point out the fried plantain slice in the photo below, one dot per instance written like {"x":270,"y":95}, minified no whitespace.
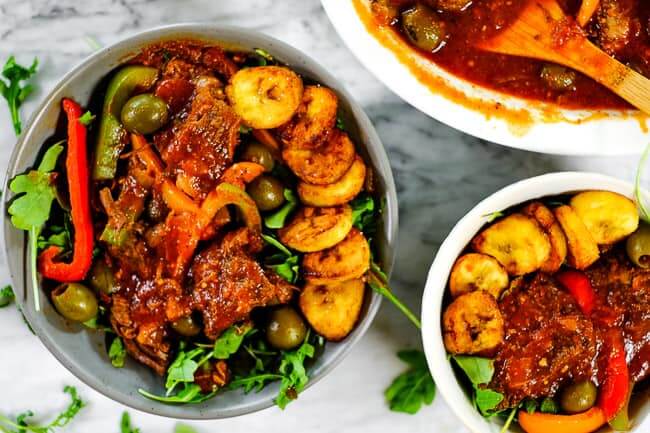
{"x":475,"y":271}
{"x":265,"y":97}
{"x":333,"y":309}
{"x":314,"y":120}
{"x":549,"y":224}
{"x":315,"y":229}
{"x":517,"y":242}
{"x":582,"y":248}
{"x":473,"y":324}
{"x":337,"y":193}
{"x":348,"y":259}
{"x":608,"y":216}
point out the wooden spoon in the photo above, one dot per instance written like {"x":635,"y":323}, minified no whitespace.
{"x":544,"y":32}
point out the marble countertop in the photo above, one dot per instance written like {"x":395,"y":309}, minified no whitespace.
{"x":440,"y":173}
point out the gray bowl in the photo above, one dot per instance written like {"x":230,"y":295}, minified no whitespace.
{"x":83,"y":352}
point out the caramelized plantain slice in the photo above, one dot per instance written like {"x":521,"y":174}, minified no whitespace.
{"x":314,"y":120}
{"x":348,"y":259}
{"x":315,"y":229}
{"x":333,"y":309}
{"x":475,"y":271}
{"x":322,"y":164}
{"x":337,"y":193}
{"x":608,"y":216}
{"x":517,"y":242}
{"x":549,"y":224}
{"x":473,"y":325}
{"x":582,"y":248}
{"x":265,"y":97}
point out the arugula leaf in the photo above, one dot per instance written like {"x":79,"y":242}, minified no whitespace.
{"x":256,"y":382}
{"x":509,"y":420}
{"x":183,"y":368}
{"x":294,"y":374}
{"x":21,"y":424}
{"x":190,"y":394}
{"x":530,"y":405}
{"x":87,"y":118}
{"x":487,"y":400}
{"x":284,"y":264}
{"x":231,"y":340}
{"x":278,"y":219}
{"x":6,"y":296}
{"x":117,"y":353}
{"x":13,"y":90}
{"x":413,"y":388}
{"x":493,"y":216}
{"x":363,"y":213}
{"x":643,"y":211}
{"x":31,"y":209}
{"x":264,"y":57}
{"x":184,"y":428}
{"x":125,"y":424}
{"x":378,"y":282}
{"x":549,"y":406}
{"x":243,"y":129}
{"x":478,"y":370}
{"x":339,"y":123}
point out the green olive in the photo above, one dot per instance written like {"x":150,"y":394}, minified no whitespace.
{"x":75,"y":302}
{"x":144,"y":114}
{"x":638,"y":246}
{"x":259,"y":154}
{"x":187,"y":326}
{"x":424,"y":27}
{"x":267,"y":192}
{"x":578,"y":397}
{"x":101,"y":278}
{"x":286,"y":329}
{"x":558,"y":77}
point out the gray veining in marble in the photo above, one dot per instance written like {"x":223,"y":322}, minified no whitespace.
{"x":440,"y":173}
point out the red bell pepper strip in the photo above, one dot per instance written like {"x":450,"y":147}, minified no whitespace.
{"x":580,"y":288}
{"x":616,"y":386}
{"x":77,"y":170}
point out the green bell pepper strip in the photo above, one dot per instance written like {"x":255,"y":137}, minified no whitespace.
{"x":112,"y":136}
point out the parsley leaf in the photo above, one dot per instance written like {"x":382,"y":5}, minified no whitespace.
{"x":21,"y":424}
{"x":278,"y":219}
{"x":294,"y":374}
{"x":413,"y":388}
{"x":13,"y":90}
{"x":6,"y":296}
{"x":31,"y":209}
{"x":125,"y":424}
{"x":117,"y":353}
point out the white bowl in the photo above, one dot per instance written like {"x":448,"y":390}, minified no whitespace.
{"x":452,"y":247}
{"x":550,"y":130}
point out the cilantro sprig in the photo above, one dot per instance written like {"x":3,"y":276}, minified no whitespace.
{"x":14,"y":89}
{"x":22,"y":424}
{"x":31,"y":209}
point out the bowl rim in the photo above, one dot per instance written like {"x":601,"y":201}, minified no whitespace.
{"x":456,"y":241}
{"x":201,"y":31}
{"x":609,"y":135}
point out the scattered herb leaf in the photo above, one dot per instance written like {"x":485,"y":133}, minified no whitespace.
{"x":125,"y":424}
{"x":294,"y":374}
{"x":487,"y":400}
{"x":6,"y":296}
{"x":21,"y":424}
{"x":87,"y":118}
{"x":231,"y":340}
{"x":413,"y":388}
{"x":31,"y":209}
{"x":363,"y":213}
{"x":13,"y":90}
{"x":549,"y":406}
{"x":184,"y":428}
{"x":478,"y":370}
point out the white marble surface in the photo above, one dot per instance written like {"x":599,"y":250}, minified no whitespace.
{"x":440,"y":173}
